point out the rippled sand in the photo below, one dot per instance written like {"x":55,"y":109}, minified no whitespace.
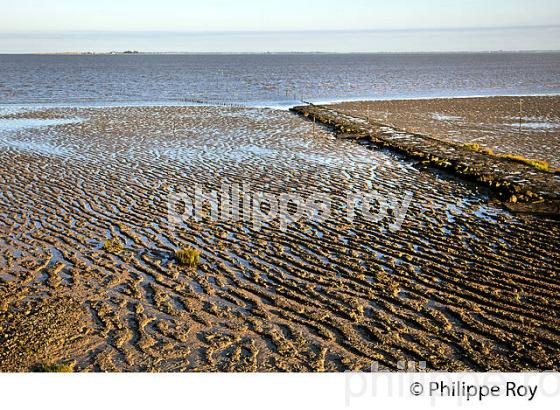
{"x":462,"y":285}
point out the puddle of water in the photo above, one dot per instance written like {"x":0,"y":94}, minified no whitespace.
{"x":15,"y":124}
{"x":10,"y":110}
{"x":31,"y":146}
{"x":443,"y":117}
{"x":536,"y":125}
{"x":254,"y":150}
{"x":8,"y":126}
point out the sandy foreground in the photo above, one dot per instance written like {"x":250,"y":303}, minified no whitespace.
{"x":491,"y":122}
{"x":461,"y":285}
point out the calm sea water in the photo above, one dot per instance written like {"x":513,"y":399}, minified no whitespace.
{"x":273,"y":79}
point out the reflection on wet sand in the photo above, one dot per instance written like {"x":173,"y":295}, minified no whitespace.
{"x":462,"y":284}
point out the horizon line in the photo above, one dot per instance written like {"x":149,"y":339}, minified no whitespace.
{"x":133,"y":52}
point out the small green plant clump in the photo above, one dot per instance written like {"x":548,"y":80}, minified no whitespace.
{"x":188,"y":256}
{"x":478,"y":148}
{"x":536,"y":163}
{"x":113,"y":245}
{"x":56,"y":368}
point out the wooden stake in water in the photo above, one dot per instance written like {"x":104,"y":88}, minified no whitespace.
{"x":313,"y":125}
{"x":520,"y":115}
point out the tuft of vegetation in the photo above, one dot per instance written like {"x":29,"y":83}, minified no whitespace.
{"x":113,"y":246}
{"x":536,"y":163}
{"x":478,"y":148}
{"x":55,"y":368}
{"x":188,"y":256}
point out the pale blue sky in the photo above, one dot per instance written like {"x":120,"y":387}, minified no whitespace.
{"x":283,"y":25}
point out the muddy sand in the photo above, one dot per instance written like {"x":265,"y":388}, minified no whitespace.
{"x":462,"y":285}
{"x":491,"y":122}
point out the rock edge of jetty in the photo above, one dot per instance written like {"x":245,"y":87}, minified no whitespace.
{"x":523,"y":188}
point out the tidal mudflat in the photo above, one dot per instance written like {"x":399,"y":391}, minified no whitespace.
{"x":461,"y":285}
{"x":527,"y":126}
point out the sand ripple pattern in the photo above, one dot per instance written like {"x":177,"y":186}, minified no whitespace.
{"x":462,"y":285}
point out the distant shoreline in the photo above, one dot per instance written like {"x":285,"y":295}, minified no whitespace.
{"x":279,"y":105}
{"x":130,"y":53}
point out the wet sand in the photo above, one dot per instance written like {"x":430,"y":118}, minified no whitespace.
{"x":525,"y":186}
{"x":492,"y":122}
{"x":463,"y":285}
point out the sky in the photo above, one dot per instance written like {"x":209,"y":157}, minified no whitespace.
{"x":278,"y":26}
